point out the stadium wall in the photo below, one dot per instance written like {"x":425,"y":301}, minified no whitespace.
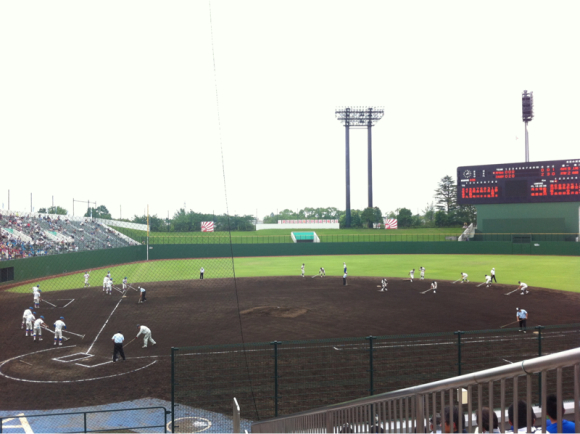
{"x":543,"y":218}
{"x":43,"y":266}
{"x":177,"y":251}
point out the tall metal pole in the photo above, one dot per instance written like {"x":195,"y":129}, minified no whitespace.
{"x":527,"y":144}
{"x":346,"y":129}
{"x":370,"y":146}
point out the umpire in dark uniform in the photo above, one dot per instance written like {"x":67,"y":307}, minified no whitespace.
{"x":118,"y":339}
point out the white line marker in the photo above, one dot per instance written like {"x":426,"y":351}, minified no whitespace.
{"x":68,"y":302}
{"x":119,"y":302}
{"x":94,"y":366}
{"x":63,"y":381}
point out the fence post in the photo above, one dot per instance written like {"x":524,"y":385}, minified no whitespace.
{"x":371,"y":377}
{"x":458,"y":333}
{"x":85,"y":421}
{"x":275,"y":343}
{"x":173,"y":350}
{"x":539,"y":329}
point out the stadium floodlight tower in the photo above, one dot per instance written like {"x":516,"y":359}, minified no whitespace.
{"x":358,"y":117}
{"x":527,"y":115}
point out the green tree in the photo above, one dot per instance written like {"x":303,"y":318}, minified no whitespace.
{"x":446,"y":194}
{"x":53,"y":210}
{"x":440,"y":219}
{"x":404,"y":218}
{"x":429,"y":214}
{"x":100,"y":212}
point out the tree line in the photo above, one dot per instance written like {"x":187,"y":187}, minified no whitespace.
{"x":442,"y":212}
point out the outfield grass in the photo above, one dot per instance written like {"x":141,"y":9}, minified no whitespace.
{"x":557,"y":272}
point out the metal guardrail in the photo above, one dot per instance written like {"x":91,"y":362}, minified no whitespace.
{"x":407,"y":410}
{"x":58,"y":428}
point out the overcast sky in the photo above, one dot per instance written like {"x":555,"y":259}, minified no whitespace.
{"x":115,"y":101}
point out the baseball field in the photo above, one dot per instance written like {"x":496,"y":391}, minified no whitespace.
{"x":268,"y":300}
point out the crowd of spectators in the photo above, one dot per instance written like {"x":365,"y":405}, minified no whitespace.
{"x":23,"y":236}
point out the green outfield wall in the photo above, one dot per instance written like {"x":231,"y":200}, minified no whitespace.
{"x":34,"y":268}
{"x":177,"y":251}
{"x":542,"y":218}
{"x":43,"y":266}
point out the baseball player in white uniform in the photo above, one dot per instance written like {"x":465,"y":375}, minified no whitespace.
{"x":146,"y":335}
{"x":109,"y":286}
{"x":109,"y":274}
{"x":201,"y":271}
{"x":422,"y":270}
{"x":487,"y":281}
{"x":434,"y":287}
{"x":412,"y":274}
{"x":524,"y":288}
{"x":87,"y":275}
{"x":58,"y":326}
{"x":38,"y":324}
{"x":302,"y":270}
{"x":464,"y":277}
{"x":105,"y":280}
{"x":29,"y":322}
{"x":25,"y":315}
{"x":36,"y":295}
{"x":125,"y":283}
{"x":383,"y":285}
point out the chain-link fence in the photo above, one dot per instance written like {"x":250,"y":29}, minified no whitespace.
{"x":258,"y":238}
{"x":282,"y":378}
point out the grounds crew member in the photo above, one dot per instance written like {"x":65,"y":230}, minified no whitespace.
{"x":87,"y":275}
{"x":302,"y":270}
{"x":321,"y":272}
{"x":38,"y":324}
{"x":58,"y":325}
{"x":25,"y":315}
{"x":434,"y":287}
{"x":412,"y":274}
{"x":146,"y":335}
{"x":524,"y":288}
{"x":118,"y":339}
{"x":522,"y":316}
{"x":464,"y":277}
{"x":422,"y":270}
{"x":493,"y":279}
{"x":201,"y":271}
{"x":29,"y":322}
{"x":487,"y":281}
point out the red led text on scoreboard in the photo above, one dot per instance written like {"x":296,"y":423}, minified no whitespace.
{"x":479,"y":192}
{"x":567,"y":171}
{"x":565,"y":189}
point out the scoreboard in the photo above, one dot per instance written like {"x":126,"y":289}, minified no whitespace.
{"x":533,"y":182}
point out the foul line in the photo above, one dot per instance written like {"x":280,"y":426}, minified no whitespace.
{"x":120,"y":300}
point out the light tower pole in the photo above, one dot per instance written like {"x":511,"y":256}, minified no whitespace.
{"x":358,"y":117}
{"x":527,"y":116}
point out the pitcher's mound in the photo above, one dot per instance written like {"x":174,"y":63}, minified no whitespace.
{"x":275,"y":311}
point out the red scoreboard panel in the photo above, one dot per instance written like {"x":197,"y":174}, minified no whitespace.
{"x":535,"y":182}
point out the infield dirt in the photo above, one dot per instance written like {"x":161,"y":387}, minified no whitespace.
{"x":209,"y":312}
